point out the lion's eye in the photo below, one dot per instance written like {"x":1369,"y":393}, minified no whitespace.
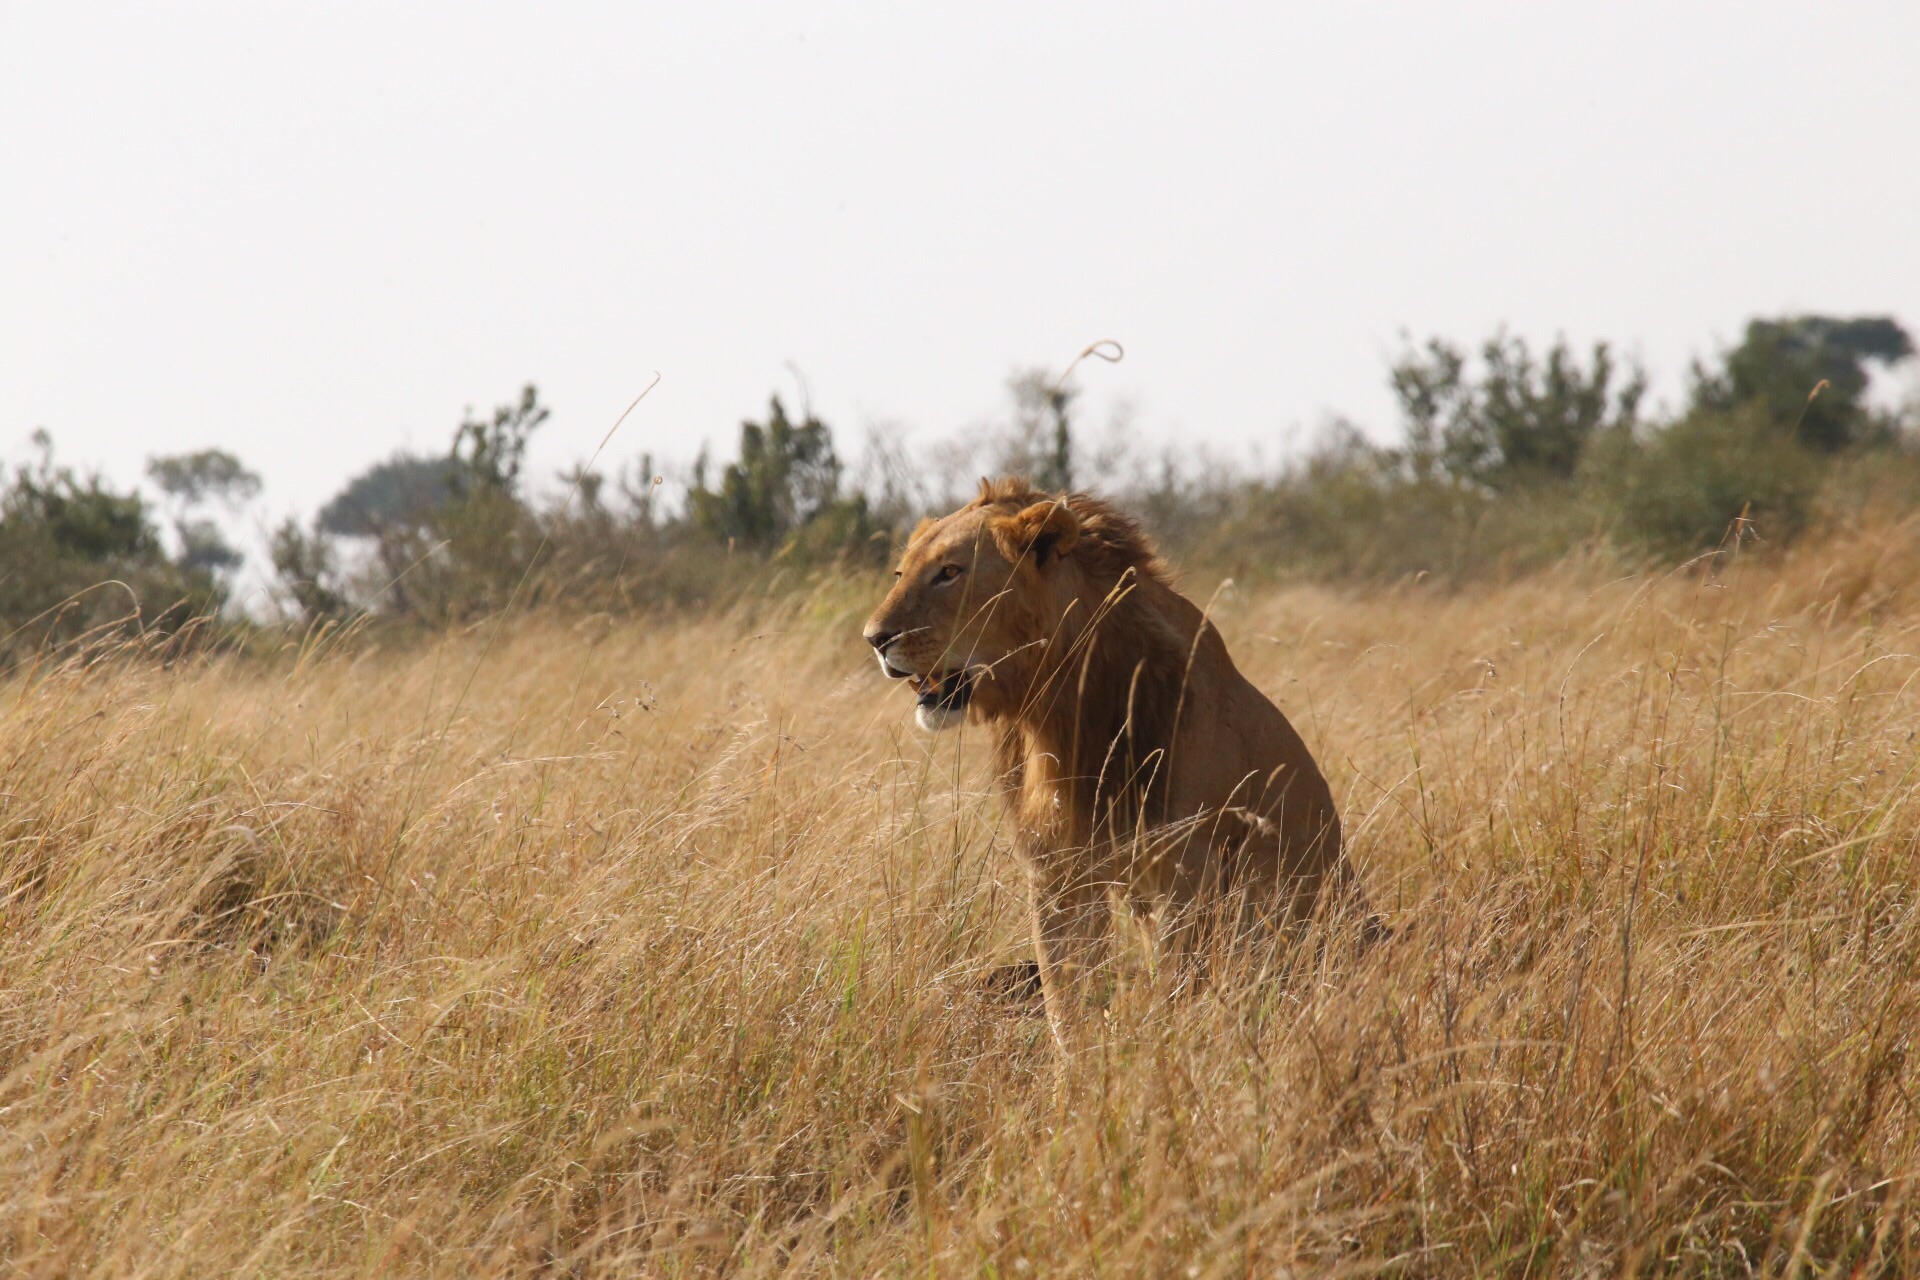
{"x":896,"y":573}
{"x":947,"y":574}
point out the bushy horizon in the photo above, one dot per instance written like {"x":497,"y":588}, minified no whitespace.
{"x":1505,"y":459}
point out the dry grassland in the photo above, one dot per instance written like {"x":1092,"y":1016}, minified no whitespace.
{"x":653,"y":949}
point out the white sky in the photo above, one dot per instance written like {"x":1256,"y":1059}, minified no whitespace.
{"x":314,"y":233}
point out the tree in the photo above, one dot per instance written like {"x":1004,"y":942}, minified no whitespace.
{"x":403,"y":492}
{"x":1780,"y":365}
{"x":488,"y":455}
{"x":72,"y":552}
{"x":1041,"y":447}
{"x":82,"y":518}
{"x":204,"y":476}
{"x":304,"y":564}
{"x":192,"y":480}
{"x":1518,"y":421}
{"x":787,"y":474}
{"x":449,"y":535}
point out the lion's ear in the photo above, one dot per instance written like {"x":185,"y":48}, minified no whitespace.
{"x":1045,"y":530}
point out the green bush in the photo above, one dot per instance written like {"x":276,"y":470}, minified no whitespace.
{"x":783,"y":494}
{"x":1514,"y":421}
{"x":1681,"y":490}
{"x":1809,"y":374}
{"x":1399,"y":528}
{"x":78,"y":557}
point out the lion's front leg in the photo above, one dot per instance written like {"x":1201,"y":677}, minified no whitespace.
{"x":1070,"y":925}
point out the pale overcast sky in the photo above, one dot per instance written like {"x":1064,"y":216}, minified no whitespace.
{"x":314,"y":233}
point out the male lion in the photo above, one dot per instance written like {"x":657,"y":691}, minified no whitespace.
{"x":1134,"y":754}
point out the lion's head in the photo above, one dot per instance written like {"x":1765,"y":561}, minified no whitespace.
{"x":985,"y":596}
{"x":972,"y":599}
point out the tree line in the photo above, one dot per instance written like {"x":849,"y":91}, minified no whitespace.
{"x":1503,"y":458}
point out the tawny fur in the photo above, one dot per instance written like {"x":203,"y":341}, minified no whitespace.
{"x":1133,"y":754}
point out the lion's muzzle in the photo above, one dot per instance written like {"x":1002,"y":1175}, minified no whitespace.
{"x":881,"y":642}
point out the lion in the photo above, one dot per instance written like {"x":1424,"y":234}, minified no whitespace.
{"x":1133,"y":755}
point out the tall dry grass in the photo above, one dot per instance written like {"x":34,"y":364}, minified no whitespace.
{"x":616,"y":949}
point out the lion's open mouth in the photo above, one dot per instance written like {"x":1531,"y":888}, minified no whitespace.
{"x":950,"y":692}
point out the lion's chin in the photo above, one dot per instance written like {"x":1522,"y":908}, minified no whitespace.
{"x":934,"y":719}
{"x":942,"y":703}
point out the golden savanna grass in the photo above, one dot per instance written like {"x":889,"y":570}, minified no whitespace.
{"x":654,"y":948}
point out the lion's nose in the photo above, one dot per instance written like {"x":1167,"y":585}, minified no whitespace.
{"x":880,"y":639}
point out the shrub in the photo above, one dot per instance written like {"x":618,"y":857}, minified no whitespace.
{"x":1352,"y":510}
{"x":1515,"y":421}
{"x":81,"y":557}
{"x":441,"y":539}
{"x":1808,"y":374}
{"x":1681,"y":490}
{"x":784,"y":495}
{"x":304,"y":564}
